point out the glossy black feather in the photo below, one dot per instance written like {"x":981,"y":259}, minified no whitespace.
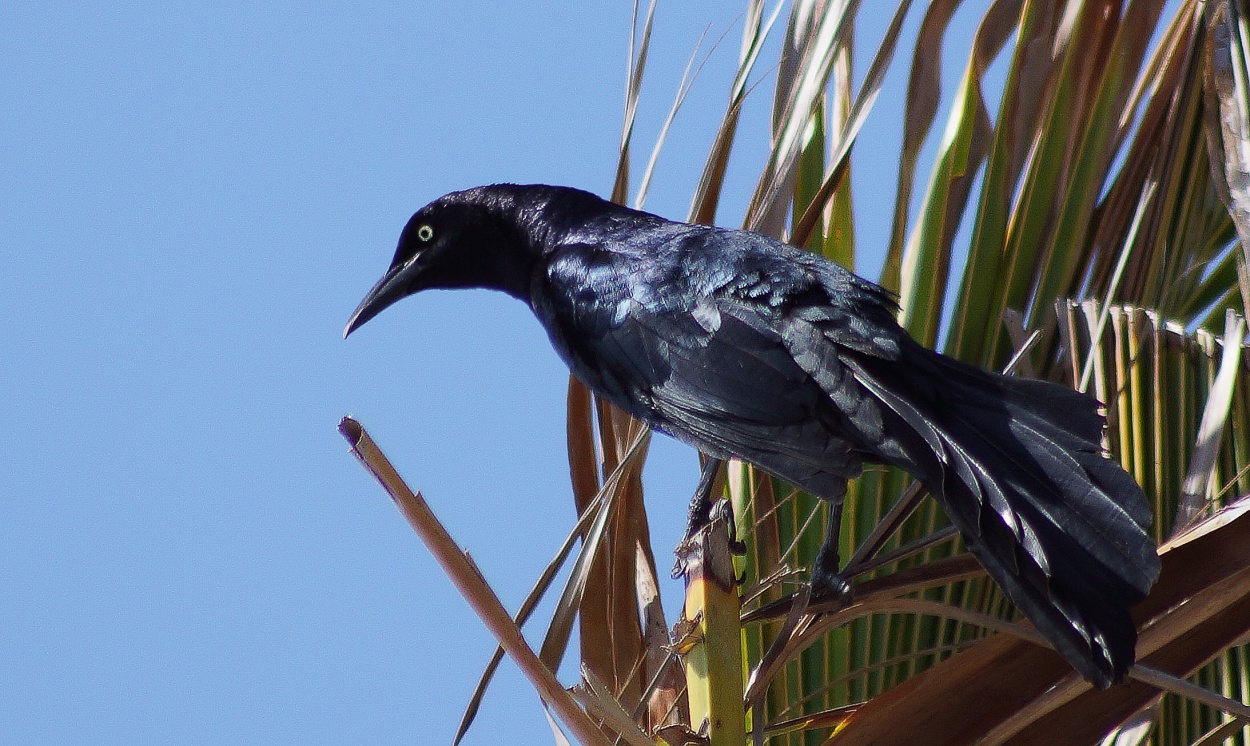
{"x":746,"y":347}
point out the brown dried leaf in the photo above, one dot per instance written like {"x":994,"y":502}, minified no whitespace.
{"x":1199,"y":607}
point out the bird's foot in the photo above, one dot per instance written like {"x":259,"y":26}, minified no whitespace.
{"x":723,"y":511}
{"x":834,"y":586}
{"x":736,"y":545}
{"x":682,"y":551}
{"x":831,"y":585}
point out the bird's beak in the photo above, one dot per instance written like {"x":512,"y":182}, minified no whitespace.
{"x":392,"y":287}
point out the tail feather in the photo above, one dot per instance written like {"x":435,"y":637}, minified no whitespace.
{"x":1019,"y":467}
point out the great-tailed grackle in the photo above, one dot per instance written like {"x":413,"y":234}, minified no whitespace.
{"x":746,"y":347}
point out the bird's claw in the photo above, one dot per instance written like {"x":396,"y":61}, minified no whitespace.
{"x":829,"y":584}
{"x":736,"y":545}
{"x":683,"y":553}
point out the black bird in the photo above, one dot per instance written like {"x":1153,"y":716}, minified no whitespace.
{"x":746,"y":347}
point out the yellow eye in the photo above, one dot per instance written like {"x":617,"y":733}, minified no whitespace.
{"x":425,"y":233}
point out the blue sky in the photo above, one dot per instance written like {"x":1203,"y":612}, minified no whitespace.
{"x":193,"y":200}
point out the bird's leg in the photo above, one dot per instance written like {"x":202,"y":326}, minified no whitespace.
{"x":825,"y":576}
{"x":700,"y":514}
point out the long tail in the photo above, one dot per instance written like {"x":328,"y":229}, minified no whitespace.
{"x":1019,"y":467}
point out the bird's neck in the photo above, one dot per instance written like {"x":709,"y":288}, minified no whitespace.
{"x":533,"y":221}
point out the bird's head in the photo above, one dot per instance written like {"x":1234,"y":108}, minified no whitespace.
{"x":462,"y":240}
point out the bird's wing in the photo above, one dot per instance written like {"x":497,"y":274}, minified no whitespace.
{"x":717,"y":373}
